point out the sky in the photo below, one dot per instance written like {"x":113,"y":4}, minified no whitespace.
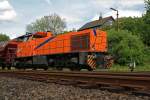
{"x":16,"y":14}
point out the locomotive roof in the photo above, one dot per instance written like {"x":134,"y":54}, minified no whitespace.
{"x":25,"y":35}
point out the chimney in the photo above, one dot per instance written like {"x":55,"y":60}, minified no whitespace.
{"x":100,"y":17}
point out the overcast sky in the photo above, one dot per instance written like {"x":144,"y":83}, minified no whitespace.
{"x":16,"y":14}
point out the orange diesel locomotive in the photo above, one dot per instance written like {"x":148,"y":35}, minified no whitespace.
{"x":75,"y":50}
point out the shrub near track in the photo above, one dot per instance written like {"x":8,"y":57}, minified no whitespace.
{"x":125,"y":47}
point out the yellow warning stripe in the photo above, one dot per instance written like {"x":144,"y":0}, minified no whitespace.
{"x":91,"y":61}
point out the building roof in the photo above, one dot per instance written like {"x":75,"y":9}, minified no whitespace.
{"x":96,"y":23}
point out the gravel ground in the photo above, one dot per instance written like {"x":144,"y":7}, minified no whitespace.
{"x":18,"y":89}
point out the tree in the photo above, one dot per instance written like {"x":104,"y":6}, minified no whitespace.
{"x":4,"y":37}
{"x":125,"y":47}
{"x":147,"y":6}
{"x":53,"y":23}
{"x":146,"y":27}
{"x":138,"y":26}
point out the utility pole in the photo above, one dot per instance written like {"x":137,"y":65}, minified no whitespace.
{"x":117,"y":17}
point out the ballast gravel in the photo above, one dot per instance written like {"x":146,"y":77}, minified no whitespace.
{"x":19,"y":89}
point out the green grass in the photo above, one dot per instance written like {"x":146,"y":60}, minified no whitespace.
{"x":118,"y":68}
{"x":141,"y":68}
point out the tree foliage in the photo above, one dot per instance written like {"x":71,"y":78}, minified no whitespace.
{"x":139,"y":26}
{"x":146,"y":26}
{"x":147,"y":6}
{"x":125,"y":47}
{"x":53,"y":23}
{"x":4,"y":37}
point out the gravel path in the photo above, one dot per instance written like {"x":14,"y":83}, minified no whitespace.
{"x":18,"y":89}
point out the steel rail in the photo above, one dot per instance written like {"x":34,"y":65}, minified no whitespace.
{"x":113,"y":79}
{"x":135,"y":74}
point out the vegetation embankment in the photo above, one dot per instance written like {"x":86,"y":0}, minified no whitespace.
{"x":131,"y":44}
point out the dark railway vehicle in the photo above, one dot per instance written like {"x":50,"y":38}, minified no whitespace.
{"x":7,"y":53}
{"x":75,"y":50}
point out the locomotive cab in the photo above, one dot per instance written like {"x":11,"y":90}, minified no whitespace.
{"x":32,"y":36}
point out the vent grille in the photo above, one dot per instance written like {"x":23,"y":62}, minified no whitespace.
{"x":80,"y":42}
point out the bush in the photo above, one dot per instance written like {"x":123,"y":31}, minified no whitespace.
{"x":4,"y":37}
{"x":125,"y":47}
{"x":147,"y":56}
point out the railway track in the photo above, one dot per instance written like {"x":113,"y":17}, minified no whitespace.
{"x":133,"y":82}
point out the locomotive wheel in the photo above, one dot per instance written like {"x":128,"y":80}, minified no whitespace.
{"x":24,"y":68}
{"x":59,"y":68}
{"x":72,"y":69}
{"x":3,"y":67}
{"x":75,"y":68}
{"x":34,"y":68}
{"x":9,"y":67}
{"x":78,"y":68}
{"x":46,"y":68}
{"x":90,"y":69}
